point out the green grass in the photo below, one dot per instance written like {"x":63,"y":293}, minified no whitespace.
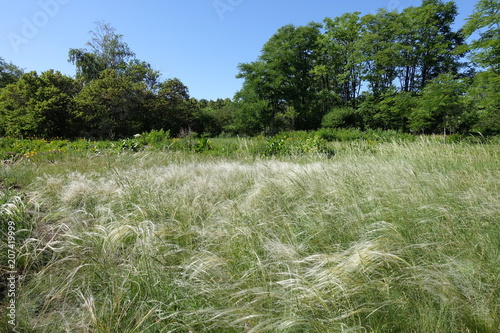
{"x":380,"y":237}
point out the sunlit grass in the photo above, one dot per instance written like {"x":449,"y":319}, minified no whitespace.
{"x":381,"y":237}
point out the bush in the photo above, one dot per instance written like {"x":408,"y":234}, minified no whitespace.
{"x":154,"y":138}
{"x":343,"y":134}
{"x":345,"y":117}
{"x":130,"y":144}
{"x":295,"y":143}
{"x":340,"y":134}
{"x":202,"y":145}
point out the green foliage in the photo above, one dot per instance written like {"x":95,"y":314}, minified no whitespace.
{"x":441,"y":106}
{"x":340,"y":49}
{"x":172,"y":108}
{"x":380,"y":50}
{"x":426,"y":44}
{"x":394,"y":111}
{"x":155,"y":138}
{"x":486,"y":20}
{"x":107,"y":51}
{"x":9,"y":73}
{"x":483,"y":97}
{"x":41,"y":106}
{"x":315,"y":69}
{"x":345,"y":117}
{"x":387,"y":70}
{"x":57,"y":150}
{"x":252,"y":115}
{"x":202,"y":145}
{"x":281,"y":80}
{"x":216,"y":117}
{"x":295,"y":143}
{"x":346,"y":135}
{"x":112,"y":106}
{"x":133,"y":144}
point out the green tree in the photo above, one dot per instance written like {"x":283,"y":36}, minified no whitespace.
{"x":484,"y":99}
{"x":107,"y":51}
{"x":141,"y":71}
{"x":342,"y":117}
{"x":485,"y":20}
{"x":253,"y":114}
{"x":380,"y":52}
{"x":342,"y":60}
{"x":9,"y":73}
{"x":258,"y":102}
{"x":216,"y":117}
{"x":440,"y":108}
{"x":173,"y":109}
{"x":88,"y":66}
{"x":426,"y":44}
{"x":394,"y":110}
{"x":113,"y":106}
{"x":117,"y":99}
{"x":40,"y":106}
{"x":283,"y":78}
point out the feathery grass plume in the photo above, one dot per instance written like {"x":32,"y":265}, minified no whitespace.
{"x":385,"y":237}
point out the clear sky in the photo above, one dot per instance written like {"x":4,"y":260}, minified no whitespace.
{"x":201,"y":42}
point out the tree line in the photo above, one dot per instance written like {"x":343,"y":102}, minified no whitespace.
{"x":408,"y":71}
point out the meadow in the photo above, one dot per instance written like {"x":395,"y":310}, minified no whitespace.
{"x":295,"y":233}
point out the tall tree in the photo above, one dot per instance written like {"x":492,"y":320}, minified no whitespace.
{"x":9,"y":73}
{"x":254,"y":113}
{"x":485,"y":20}
{"x":427,"y":44}
{"x":117,"y":98}
{"x":441,"y":106}
{"x":107,"y":51}
{"x":258,"y":100}
{"x":283,"y":77}
{"x":108,"y":46}
{"x":380,"y":52}
{"x":172,"y":109}
{"x":484,"y":99}
{"x":113,"y":106}
{"x":39,"y":105}
{"x":342,"y":57}
{"x":141,"y":71}
{"x":394,"y":110}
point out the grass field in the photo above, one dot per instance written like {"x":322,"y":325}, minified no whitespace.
{"x":359,"y":237}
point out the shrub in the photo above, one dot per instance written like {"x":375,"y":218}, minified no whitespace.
{"x":340,"y":134}
{"x":341,"y":117}
{"x":295,"y":143}
{"x":133,"y":144}
{"x":202,"y":145}
{"x":154,"y":138}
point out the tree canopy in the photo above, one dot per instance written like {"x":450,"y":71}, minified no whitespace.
{"x":350,"y":61}
{"x":9,"y":73}
{"x":402,"y":70}
{"x":486,"y":22}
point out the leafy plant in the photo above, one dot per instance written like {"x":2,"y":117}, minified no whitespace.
{"x":202,"y":145}
{"x":154,"y":138}
{"x":133,"y":144}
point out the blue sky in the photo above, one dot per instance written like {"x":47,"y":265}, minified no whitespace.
{"x":201,"y":42}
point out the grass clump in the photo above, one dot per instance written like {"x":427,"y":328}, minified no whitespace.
{"x":381,"y":237}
